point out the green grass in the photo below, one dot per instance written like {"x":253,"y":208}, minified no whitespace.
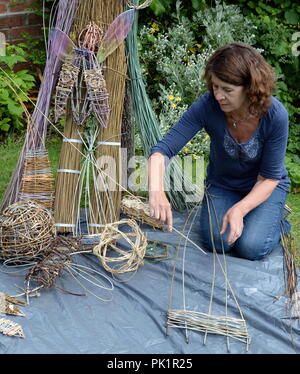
{"x":294,"y":218}
{"x":10,"y":152}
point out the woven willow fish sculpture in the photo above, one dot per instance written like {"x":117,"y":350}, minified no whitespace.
{"x":81,"y":76}
{"x":10,"y":328}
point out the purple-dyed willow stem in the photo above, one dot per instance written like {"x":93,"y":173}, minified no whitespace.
{"x":37,"y":128}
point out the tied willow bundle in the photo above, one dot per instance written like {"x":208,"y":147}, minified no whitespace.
{"x":37,"y":129}
{"x":37,"y":178}
{"x":90,"y":189}
{"x":109,"y":138}
{"x":67,"y":179}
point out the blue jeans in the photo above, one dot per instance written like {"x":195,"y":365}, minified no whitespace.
{"x":262,"y":225}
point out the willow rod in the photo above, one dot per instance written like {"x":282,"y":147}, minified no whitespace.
{"x":36,"y":137}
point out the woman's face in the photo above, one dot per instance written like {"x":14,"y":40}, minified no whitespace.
{"x":230,"y":97}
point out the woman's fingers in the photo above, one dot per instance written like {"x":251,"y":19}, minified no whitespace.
{"x":224,"y":225}
{"x":160,"y":208}
{"x":169,"y":219}
{"x":235,"y":232}
{"x":234,"y":219}
{"x":163,"y":214}
{"x":233,"y":236}
{"x":157,"y":214}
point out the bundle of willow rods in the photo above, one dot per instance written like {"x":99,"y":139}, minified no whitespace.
{"x":72,"y":169}
{"x":147,"y":122}
{"x":35,"y":137}
{"x":103,"y":12}
{"x":37,"y":179}
{"x":67,"y":194}
{"x":109,"y":139}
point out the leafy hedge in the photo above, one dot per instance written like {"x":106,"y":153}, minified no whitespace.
{"x":14,"y":86}
{"x":271,"y":26}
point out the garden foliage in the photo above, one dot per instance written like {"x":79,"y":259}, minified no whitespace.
{"x":30,"y":53}
{"x":21,"y":81}
{"x":174,"y":50}
{"x":174,"y":60}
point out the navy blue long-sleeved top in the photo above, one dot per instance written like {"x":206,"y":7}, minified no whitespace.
{"x":233,"y":165}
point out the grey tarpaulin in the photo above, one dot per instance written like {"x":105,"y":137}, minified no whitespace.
{"x":134,"y":321}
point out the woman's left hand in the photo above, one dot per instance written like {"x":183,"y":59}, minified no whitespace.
{"x":234,"y":217}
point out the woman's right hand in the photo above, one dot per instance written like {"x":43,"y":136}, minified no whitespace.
{"x":160,"y":208}
{"x":159,"y":205}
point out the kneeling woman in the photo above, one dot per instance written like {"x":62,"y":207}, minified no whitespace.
{"x":247,"y":182}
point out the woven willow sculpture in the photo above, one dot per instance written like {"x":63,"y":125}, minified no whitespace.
{"x":26,"y":229}
{"x":11,"y":328}
{"x":126,"y":260}
{"x":136,"y":209}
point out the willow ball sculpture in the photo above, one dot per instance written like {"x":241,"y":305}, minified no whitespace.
{"x":124,"y":260}
{"x":26,"y":229}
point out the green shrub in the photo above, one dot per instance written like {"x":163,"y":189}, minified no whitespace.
{"x":274,"y":36}
{"x":11,"y":111}
{"x":174,"y":50}
{"x":174,"y":60}
{"x":163,"y":7}
{"x":292,"y":162}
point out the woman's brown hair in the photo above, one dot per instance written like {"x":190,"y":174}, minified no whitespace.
{"x":241,"y":65}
